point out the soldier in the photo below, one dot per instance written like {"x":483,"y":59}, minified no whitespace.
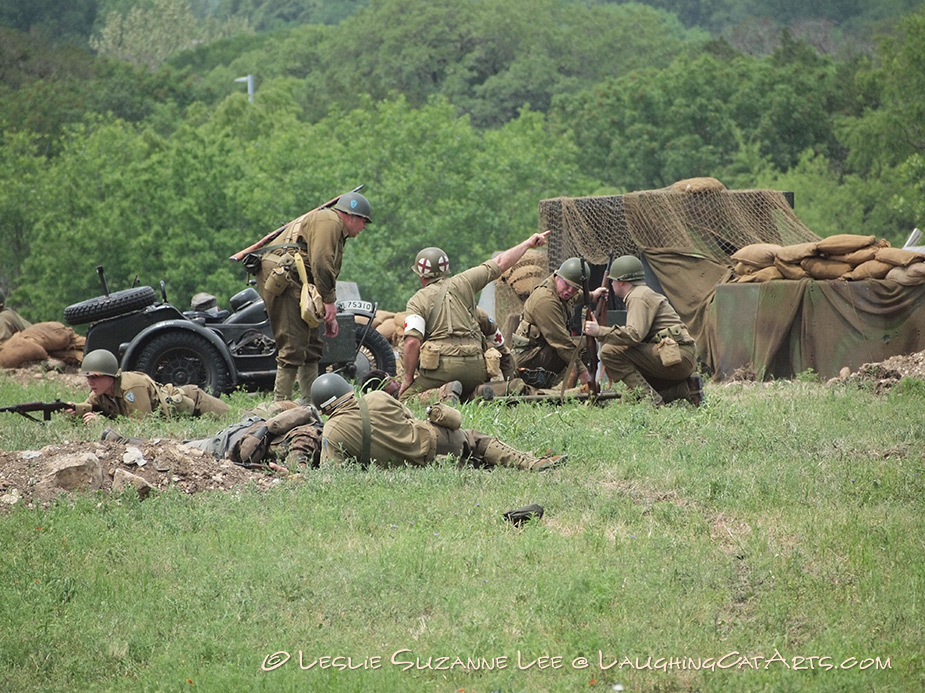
{"x":378,"y":428}
{"x":653,"y":354}
{"x":443,"y":343}
{"x":318,"y":237}
{"x":543,"y":344}
{"x":114,"y":393}
{"x":11,"y":322}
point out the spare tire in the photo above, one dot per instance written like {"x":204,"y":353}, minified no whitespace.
{"x":116,"y":303}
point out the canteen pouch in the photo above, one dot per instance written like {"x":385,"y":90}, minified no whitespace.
{"x":430,"y":356}
{"x":669,"y":352}
{"x":310,"y":302}
{"x":493,"y":363}
{"x":278,"y":280}
{"x":444,"y":415}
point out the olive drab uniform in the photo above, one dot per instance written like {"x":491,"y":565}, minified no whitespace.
{"x":443,"y":316}
{"x":11,"y":322}
{"x":319,"y":238}
{"x":654,"y":336}
{"x":136,"y":395}
{"x":393,"y":436}
{"x":542,"y":344}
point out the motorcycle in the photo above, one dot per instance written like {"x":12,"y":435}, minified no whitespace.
{"x":218,"y":350}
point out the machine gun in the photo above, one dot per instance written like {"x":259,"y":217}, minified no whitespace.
{"x":45,"y":407}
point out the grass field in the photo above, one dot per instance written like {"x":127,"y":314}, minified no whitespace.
{"x":771,"y":540}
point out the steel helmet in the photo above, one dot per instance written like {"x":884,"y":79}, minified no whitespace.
{"x":627,"y":268}
{"x":570,"y":271}
{"x":329,"y":391}
{"x":99,"y":362}
{"x":431,"y":262}
{"x":355,"y":204}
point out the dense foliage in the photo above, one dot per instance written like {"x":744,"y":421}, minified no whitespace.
{"x":457,"y":116}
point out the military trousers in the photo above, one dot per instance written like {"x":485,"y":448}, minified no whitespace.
{"x":624,"y":360}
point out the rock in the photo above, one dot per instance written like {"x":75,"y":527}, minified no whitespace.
{"x":69,"y":473}
{"x":844,"y":372}
{"x":133,"y":455}
{"x":11,"y":498}
{"x":122,"y":479}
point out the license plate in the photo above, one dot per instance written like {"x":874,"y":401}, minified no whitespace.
{"x":357,"y":306}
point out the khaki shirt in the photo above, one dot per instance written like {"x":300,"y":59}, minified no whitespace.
{"x":396,"y":437}
{"x":549,"y":315}
{"x":322,"y":234}
{"x":455,"y":319}
{"x":647,"y":312}
{"x":136,"y":395}
{"x":11,"y":322}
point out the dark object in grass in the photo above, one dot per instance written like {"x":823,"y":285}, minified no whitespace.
{"x":520,"y":515}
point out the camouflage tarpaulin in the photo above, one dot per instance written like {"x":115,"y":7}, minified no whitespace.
{"x":782,"y":328}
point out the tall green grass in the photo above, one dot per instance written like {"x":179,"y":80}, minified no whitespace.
{"x":681,"y":549}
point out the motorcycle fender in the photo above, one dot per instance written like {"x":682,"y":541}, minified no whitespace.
{"x":137,"y":344}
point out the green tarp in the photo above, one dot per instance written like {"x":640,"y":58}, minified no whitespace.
{"x":781,"y":328}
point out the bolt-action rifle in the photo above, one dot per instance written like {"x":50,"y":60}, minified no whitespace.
{"x":590,"y":342}
{"x":238,"y":256}
{"x":45,"y":407}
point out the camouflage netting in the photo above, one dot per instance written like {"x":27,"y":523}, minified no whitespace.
{"x":698,"y":215}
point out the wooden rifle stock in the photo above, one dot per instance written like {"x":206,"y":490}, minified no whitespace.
{"x":238,"y":256}
{"x":590,"y":342}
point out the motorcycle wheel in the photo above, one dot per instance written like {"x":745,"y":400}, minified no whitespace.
{"x":373,"y":352}
{"x":184,"y":358}
{"x":102,"y":307}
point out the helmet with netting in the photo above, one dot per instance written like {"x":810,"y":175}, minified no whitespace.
{"x":329,"y":391}
{"x":99,"y":362}
{"x":431,"y":262}
{"x":573,"y":270}
{"x":354,"y":203}
{"x":627,"y":268}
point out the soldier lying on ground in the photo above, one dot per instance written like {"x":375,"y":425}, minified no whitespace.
{"x":281,"y":442}
{"x":378,"y":428}
{"x":133,"y":394}
{"x":11,"y":322}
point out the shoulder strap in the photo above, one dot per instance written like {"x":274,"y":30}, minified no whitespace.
{"x":436,"y":308}
{"x":364,"y":413}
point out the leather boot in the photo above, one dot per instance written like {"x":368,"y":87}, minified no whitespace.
{"x":641,"y":388}
{"x":451,"y":392}
{"x":503,"y":455}
{"x":677,"y":391}
{"x":307,"y":374}
{"x":695,"y":385}
{"x":285,"y":379}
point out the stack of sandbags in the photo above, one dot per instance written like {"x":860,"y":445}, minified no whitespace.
{"x":40,"y":342}
{"x":843,"y":256}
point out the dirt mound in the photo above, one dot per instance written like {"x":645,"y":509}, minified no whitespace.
{"x":52,"y":369}
{"x":885,"y":374}
{"x":37,"y":477}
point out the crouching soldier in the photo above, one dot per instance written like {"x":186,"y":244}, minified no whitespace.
{"x":378,"y":428}
{"x":115,"y":393}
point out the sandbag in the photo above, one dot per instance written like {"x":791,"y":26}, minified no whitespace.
{"x":524,"y":279}
{"x":790,"y":271}
{"x":52,"y":336}
{"x":842,"y":243}
{"x":872,"y":269}
{"x":757,"y":254}
{"x":744,"y":270}
{"x":902,"y":275}
{"x":766,"y":274}
{"x":821,"y":268}
{"x":19,"y":350}
{"x":387,"y":330}
{"x":698,"y":185}
{"x":899,"y":257}
{"x":382,"y":316}
{"x":858,"y":257}
{"x":794,"y":254}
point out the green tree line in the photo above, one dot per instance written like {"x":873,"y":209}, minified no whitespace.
{"x":458,"y":117}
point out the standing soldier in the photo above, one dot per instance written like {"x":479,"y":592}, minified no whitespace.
{"x":543,"y":344}
{"x":318,"y":237}
{"x":443,"y":342}
{"x":653,"y":354}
